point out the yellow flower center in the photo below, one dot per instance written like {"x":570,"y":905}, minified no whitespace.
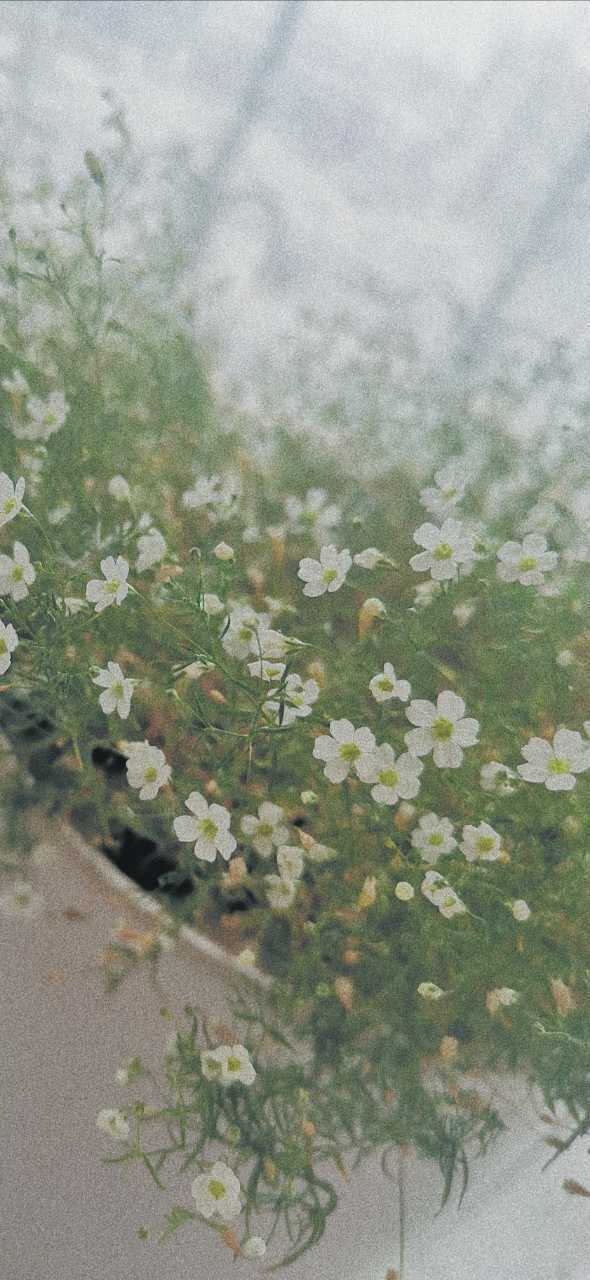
{"x":527,"y":563}
{"x":385,"y":684}
{"x":435,"y":839}
{"x":349,"y":752}
{"x":151,"y":774}
{"x":216,"y":1189}
{"x":113,"y":586}
{"x":485,"y":844}
{"x":3,"y":646}
{"x":329,"y":575}
{"x":9,"y":505}
{"x":18,"y":573}
{"x":559,"y":765}
{"x":442,"y":729}
{"x":389,"y":777}
{"x":118,"y":689}
{"x":444,"y":551}
{"x":208,"y":828}
{"x":233,"y":1064}
{"x":265,"y":829}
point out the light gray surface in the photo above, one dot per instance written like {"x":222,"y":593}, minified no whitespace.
{"x":65,"y":1216}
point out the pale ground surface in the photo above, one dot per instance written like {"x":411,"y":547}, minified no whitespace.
{"x":65,"y":1216}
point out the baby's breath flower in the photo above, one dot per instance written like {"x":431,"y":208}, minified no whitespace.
{"x":208,"y":828}
{"x":326,"y":574}
{"x":480,"y":843}
{"x":526,"y":562}
{"x":296,"y":698}
{"x":386,"y":685}
{"x":118,"y":690}
{"x":114,"y":1123}
{"x":146,"y":769}
{"x":16,"y":575}
{"x":448,"y":489}
{"x":344,"y":750}
{"x":228,"y":1064}
{"x":433,"y":837}
{"x":447,"y":548}
{"x":280,"y":891}
{"x":441,"y":729}
{"x":555,"y":765}
{"x":45,"y":417}
{"x":393,"y":778}
{"x":113,"y":589}
{"x":435,"y":888}
{"x":266,"y":669}
{"x":11,"y":498}
{"x":212,"y":605}
{"x":496,"y":777}
{"x":152,"y":549}
{"x":217,"y":1193}
{"x":314,"y":514}
{"x":267,"y":830}
{"x":8,"y":643}
{"x":290,"y":861}
{"x":370,"y":558}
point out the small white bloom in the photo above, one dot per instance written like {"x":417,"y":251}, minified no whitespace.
{"x":16,"y":575}
{"x":119,"y":489}
{"x":204,"y":493}
{"x":496,"y":777}
{"x":435,"y":888}
{"x":526,"y":562}
{"x":373,"y":608}
{"x":430,"y":991}
{"x":117,"y":690}
{"x":228,"y":1064}
{"x":70,"y":604}
{"x":326,"y":574}
{"x":520,"y":909}
{"x":480,"y":843}
{"x":463,"y":613}
{"x":46,"y":416}
{"x":267,"y":830}
{"x":433,"y":837}
{"x":393,"y":778}
{"x":290,"y":861}
{"x":386,"y":685}
{"x":11,"y":498}
{"x":146,"y":769}
{"x":297,"y":698}
{"x":113,"y":589}
{"x":316,"y":852}
{"x":57,"y":515}
{"x":208,"y":828}
{"x":446,"y":549}
{"x":114,"y":1123}
{"x":8,"y":643}
{"x":254,"y":1247}
{"x":565,"y":658}
{"x":195,"y":670}
{"x":344,"y":750}
{"x":309,"y":797}
{"x":212,"y":605}
{"x":504,"y":996}
{"x":273,"y":644}
{"x":555,"y":765}
{"x":241,"y":638}
{"x":370,"y":558}
{"x":441,"y":729}
{"x":217,"y":1193}
{"x":315,"y":514}
{"x":247,"y":958}
{"x":448,"y":489}
{"x":223,"y":551}
{"x":21,"y":900}
{"x":425,"y":593}
{"x":266,"y":669}
{"x":152,"y":549}
{"x":404,"y":891}
{"x":280,"y":892}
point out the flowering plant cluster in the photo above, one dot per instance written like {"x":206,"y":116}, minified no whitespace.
{"x":368,"y":768}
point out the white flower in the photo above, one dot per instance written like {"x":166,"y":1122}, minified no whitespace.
{"x":526,"y":562}
{"x":208,"y":828}
{"x":430,"y":991}
{"x":297,"y":697}
{"x":386,"y":685}
{"x":114,"y":588}
{"x":433,"y":836}
{"x":117,"y":690}
{"x":212,"y":605}
{"x":326,"y":574}
{"x":344,"y":750}
{"x":555,"y":765}
{"x":11,"y":497}
{"x":254,"y":1247}
{"x":446,"y":549}
{"x":241,"y":638}
{"x":247,"y":958}
{"x":463,"y":613}
{"x":146,"y":769}
{"x":273,"y":644}
{"x":565,"y":658}
{"x":113,"y":1122}
{"x":481,"y":843}
{"x":442,"y":729}
{"x":267,"y":830}
{"x":404,"y":891}
{"x":17,"y":385}
{"x":205,"y":493}
{"x":223,"y":551}
{"x":542,"y":517}
{"x":16,"y":575}
{"x":290,"y":861}
{"x":316,"y":852}
{"x":520,"y":909}
{"x":8,"y":643}
{"x":152,"y":549}
{"x":314,"y":514}
{"x":228,"y":1064}
{"x":392,"y":777}
{"x":435,"y":888}
{"x":119,"y":489}
{"x":70,"y":604}
{"x":57,"y":515}
{"x":370,"y":558}
{"x":21,"y":900}
{"x":448,"y":489}
{"x":496,"y":777}
{"x":266,"y":669}
{"x":425,"y":593}
{"x":280,"y":891}
{"x":373,"y":607}
{"x":47,"y":416}
{"x":217,"y":1193}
